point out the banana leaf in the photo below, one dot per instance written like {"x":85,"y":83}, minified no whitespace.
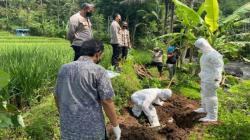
{"x":186,"y":14}
{"x":212,"y":14}
{"x":201,"y":9}
{"x":238,"y":14}
{"x":242,"y":22}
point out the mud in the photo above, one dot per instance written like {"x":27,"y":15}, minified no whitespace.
{"x":178,"y":108}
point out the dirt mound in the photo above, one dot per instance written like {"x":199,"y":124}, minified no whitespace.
{"x":176,"y":117}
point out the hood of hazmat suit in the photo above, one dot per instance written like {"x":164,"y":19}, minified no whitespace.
{"x":165,"y":94}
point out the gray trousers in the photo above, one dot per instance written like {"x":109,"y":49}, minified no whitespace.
{"x":171,"y":70}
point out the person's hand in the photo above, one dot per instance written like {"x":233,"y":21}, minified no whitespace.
{"x":161,"y":103}
{"x":117,"y":132}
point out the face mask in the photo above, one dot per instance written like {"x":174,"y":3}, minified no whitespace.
{"x":88,"y":14}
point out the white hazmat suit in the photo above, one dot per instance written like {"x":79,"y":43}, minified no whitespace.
{"x":144,"y":99}
{"x":211,"y":64}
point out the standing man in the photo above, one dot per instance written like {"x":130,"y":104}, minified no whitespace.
{"x":80,"y":28}
{"x":171,"y":61}
{"x":115,"y":31}
{"x":125,"y":40}
{"x":83,"y":89}
{"x":211,"y":63}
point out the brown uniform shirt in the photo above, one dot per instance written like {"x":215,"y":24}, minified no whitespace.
{"x":115,"y":32}
{"x":80,"y":29}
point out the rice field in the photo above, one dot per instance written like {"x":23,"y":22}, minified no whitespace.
{"x":33,"y":63}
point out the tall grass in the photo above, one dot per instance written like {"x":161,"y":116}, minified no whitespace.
{"x":32,"y":65}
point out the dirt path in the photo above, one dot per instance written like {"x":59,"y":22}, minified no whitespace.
{"x":177,"y":107}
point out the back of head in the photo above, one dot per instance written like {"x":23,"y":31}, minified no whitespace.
{"x":87,"y":5}
{"x":203,"y":45}
{"x":171,"y":49}
{"x":156,"y":49}
{"x":124,"y":23}
{"x":165,"y":94}
{"x":91,"y":47}
{"x":115,"y":15}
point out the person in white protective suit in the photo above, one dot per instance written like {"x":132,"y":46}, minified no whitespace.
{"x":144,"y":99}
{"x":211,"y":64}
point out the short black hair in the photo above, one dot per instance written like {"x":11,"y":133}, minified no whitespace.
{"x":115,"y":15}
{"x":91,"y":47}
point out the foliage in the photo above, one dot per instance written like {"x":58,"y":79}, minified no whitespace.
{"x":212,"y":14}
{"x":229,"y":6}
{"x":188,"y":16}
{"x":9,"y":114}
{"x":140,"y":56}
{"x":238,"y":14}
{"x":151,"y":83}
{"x":41,"y":123}
{"x":40,"y":127}
{"x":32,"y":62}
{"x":4,"y":79}
{"x":231,"y":81}
{"x":125,"y":84}
{"x":187,"y":85}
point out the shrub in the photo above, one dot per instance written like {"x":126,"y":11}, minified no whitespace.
{"x":125,"y":84}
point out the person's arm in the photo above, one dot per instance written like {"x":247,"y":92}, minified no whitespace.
{"x":109,"y":109}
{"x":71,"y":31}
{"x":106,"y":93}
{"x":217,"y":63}
{"x":158,"y":102}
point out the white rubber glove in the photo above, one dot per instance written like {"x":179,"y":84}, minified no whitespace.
{"x":117,"y":132}
{"x":161,"y":103}
{"x":158,"y":102}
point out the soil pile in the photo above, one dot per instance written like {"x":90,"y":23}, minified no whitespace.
{"x":176,"y":117}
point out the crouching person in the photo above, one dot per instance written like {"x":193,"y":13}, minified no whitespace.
{"x":83,"y":90}
{"x":144,"y":99}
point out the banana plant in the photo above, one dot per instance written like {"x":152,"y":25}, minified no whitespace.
{"x":10,"y":116}
{"x":239,"y":14}
{"x":211,"y":7}
{"x":187,"y":15}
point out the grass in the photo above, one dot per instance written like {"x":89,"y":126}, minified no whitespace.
{"x":41,"y":123}
{"x":234,"y":115}
{"x":31,"y":64}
